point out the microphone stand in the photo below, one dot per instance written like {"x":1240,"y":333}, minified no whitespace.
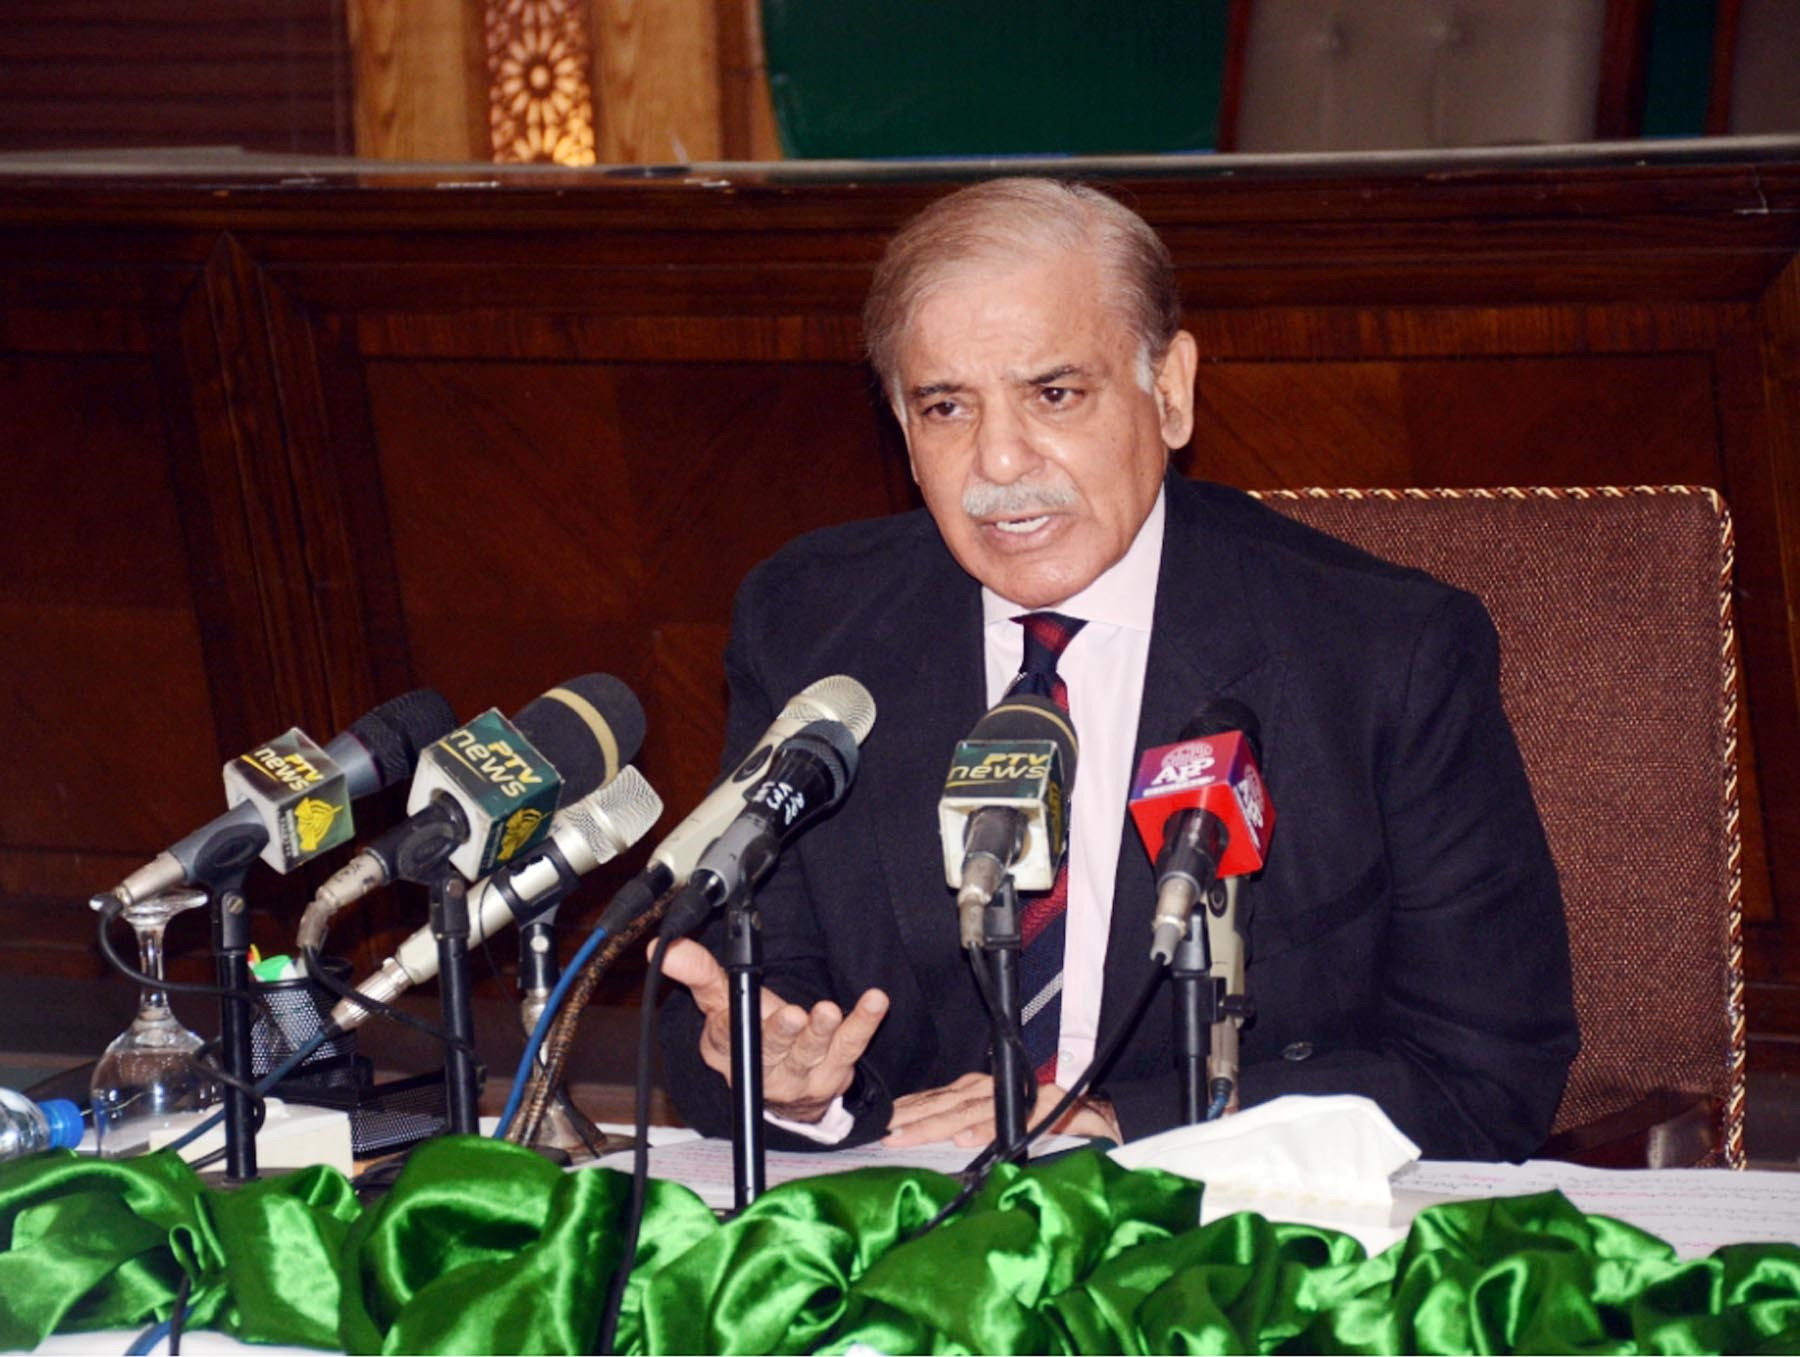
{"x":1000,"y":944}
{"x":450,"y":928}
{"x":744,"y":966}
{"x":231,"y":964}
{"x":1196,"y":1007}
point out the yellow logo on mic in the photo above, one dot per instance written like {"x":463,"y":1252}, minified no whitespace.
{"x":313,"y":819}
{"x":520,"y":827}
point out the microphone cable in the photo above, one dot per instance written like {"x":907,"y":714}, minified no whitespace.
{"x":975,"y":1175}
{"x":341,"y":991}
{"x":170,"y":1328}
{"x":640,"y":1162}
{"x":110,"y":911}
{"x":528,"y":1061}
{"x":545,"y":1080}
{"x":990,"y":1000}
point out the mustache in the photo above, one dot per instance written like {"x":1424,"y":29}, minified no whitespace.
{"x":1020,"y":499}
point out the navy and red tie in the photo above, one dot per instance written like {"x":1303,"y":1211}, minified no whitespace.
{"x":1042,"y":921}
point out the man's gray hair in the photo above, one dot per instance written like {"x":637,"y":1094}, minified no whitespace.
{"x":994,"y":223}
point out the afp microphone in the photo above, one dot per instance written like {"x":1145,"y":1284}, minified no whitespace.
{"x":1005,"y":804}
{"x":1203,"y":813}
{"x":808,"y":776}
{"x":582,"y":836}
{"x":837,"y":697}
{"x":290,"y":799}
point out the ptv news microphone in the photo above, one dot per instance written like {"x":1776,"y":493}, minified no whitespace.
{"x":582,"y":836}
{"x":837,"y":697}
{"x":290,"y":799}
{"x":486,"y":791}
{"x":1203,"y":812}
{"x":1005,"y":804}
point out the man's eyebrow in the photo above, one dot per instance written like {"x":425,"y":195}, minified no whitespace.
{"x":926,"y":390}
{"x":1056,"y":374}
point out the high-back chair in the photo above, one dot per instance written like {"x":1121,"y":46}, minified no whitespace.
{"x":1360,"y":75}
{"x":1618,"y":669}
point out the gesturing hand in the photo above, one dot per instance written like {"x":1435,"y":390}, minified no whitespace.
{"x":808,"y":1058}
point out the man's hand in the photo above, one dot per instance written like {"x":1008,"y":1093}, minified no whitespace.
{"x":963,"y":1112}
{"x":808,"y":1058}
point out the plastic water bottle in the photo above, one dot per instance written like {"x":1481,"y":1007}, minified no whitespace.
{"x":27,"y":1127}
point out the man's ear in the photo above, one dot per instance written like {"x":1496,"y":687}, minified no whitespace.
{"x":1174,"y":388}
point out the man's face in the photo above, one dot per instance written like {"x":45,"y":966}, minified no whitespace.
{"x":1038,"y":452}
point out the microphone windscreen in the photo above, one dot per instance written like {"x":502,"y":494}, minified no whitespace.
{"x":1224,"y":714}
{"x":1026,"y":716}
{"x":836,"y":747}
{"x":837,"y":697}
{"x":396,"y":732}
{"x":588,"y":728}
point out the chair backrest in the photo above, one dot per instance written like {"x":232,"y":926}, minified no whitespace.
{"x":1618,"y":669}
{"x":1354,"y":75}
{"x":1765,"y":89}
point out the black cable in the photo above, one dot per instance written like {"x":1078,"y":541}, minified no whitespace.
{"x":178,"y":1315}
{"x":640,"y":1163}
{"x":259,"y":1110}
{"x":111,"y":911}
{"x":985,"y":984}
{"x":976,"y":1173}
{"x":315,"y":968}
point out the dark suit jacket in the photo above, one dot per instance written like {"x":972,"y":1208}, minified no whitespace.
{"x":1406,"y":937}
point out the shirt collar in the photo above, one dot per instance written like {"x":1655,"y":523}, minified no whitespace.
{"x":1123,"y":595}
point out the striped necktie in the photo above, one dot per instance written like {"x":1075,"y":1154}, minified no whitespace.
{"x":1041,"y":922}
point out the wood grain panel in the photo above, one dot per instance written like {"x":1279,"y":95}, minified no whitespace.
{"x":109,"y":73}
{"x":1596,"y":420}
{"x":656,"y":77}
{"x":421,"y":79}
{"x":105,"y":688}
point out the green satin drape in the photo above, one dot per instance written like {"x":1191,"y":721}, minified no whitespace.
{"x":483,"y":1247}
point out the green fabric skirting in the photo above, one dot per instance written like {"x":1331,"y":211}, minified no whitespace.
{"x":484,"y":1247}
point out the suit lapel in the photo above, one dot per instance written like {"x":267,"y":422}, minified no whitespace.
{"x":936,"y":697}
{"x":1205,"y":645}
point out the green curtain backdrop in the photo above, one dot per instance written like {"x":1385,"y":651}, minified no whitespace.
{"x":871,"y":78}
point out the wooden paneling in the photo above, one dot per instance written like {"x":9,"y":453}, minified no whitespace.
{"x":489,"y":438}
{"x":657,"y":81}
{"x":421,"y":79}
{"x":1479,"y":421}
{"x":272,"y":75}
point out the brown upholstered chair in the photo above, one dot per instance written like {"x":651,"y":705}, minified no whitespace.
{"x":1355,"y":75}
{"x":1619,"y":672}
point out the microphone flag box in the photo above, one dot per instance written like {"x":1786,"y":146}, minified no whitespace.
{"x":1217,"y":773}
{"x":505,"y":786}
{"x":302,"y":796}
{"x":1022,"y":775}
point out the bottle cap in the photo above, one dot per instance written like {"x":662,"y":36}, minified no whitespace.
{"x":65,"y":1122}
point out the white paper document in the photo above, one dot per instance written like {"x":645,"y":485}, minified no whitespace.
{"x":705,"y":1165}
{"x":1696,"y":1210}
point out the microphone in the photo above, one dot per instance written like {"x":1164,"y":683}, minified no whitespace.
{"x":1005,"y":804}
{"x":486,"y":791}
{"x":290,"y":799}
{"x":808,"y":776}
{"x":583,"y":835}
{"x":837,"y":697}
{"x":1202,"y":810}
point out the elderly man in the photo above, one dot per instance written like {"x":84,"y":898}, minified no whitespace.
{"x":1406,"y":938}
